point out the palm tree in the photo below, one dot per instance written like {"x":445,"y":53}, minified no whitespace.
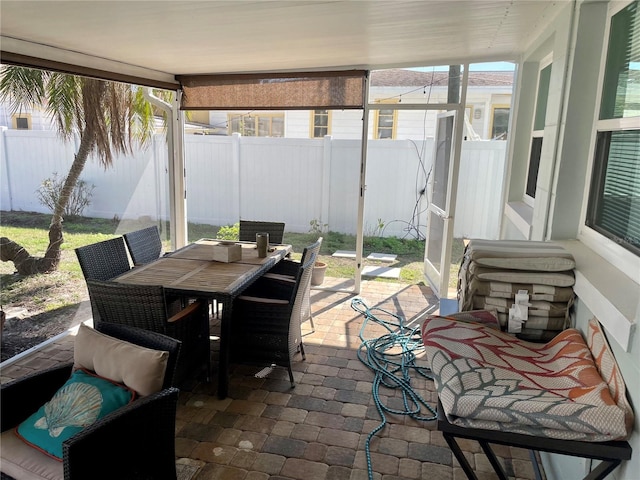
{"x":109,"y":118}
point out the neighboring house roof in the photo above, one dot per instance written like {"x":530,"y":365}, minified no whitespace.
{"x":400,"y":77}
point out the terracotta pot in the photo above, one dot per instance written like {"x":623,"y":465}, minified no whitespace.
{"x":317,"y":274}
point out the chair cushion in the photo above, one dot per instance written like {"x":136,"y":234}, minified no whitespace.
{"x":20,"y":460}
{"x":82,"y":400}
{"x":554,"y":279}
{"x":274,"y":301}
{"x":520,"y":255}
{"x":139,"y":368}
{"x":490,"y":380}
{"x":546,"y":293}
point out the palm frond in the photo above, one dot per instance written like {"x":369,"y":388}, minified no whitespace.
{"x":22,"y":87}
{"x":114,"y":114}
{"x":63,"y":94}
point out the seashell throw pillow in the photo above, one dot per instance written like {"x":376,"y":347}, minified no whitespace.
{"x":82,"y":400}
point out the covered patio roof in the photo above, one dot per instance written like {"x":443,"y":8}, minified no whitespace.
{"x":154,"y":42}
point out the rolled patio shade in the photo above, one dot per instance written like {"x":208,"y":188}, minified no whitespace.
{"x":274,"y":91}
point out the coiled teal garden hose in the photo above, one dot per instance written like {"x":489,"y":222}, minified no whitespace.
{"x":392,"y":357}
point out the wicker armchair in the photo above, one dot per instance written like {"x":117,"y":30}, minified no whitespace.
{"x":265,"y":329}
{"x":249,"y":228}
{"x":144,"y":245}
{"x":134,"y":442}
{"x":104,"y":260}
{"x":146,"y":307}
{"x":289,"y":268}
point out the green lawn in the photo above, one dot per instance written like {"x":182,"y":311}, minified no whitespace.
{"x":66,"y":286}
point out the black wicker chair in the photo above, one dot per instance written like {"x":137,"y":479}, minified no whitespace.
{"x":249,"y":228}
{"x":289,"y":268}
{"x":144,"y":245}
{"x":265,"y":329}
{"x":104,"y":260}
{"x":146,"y":307}
{"x":134,"y":442}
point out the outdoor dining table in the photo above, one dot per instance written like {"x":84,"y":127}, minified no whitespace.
{"x":191,"y":272}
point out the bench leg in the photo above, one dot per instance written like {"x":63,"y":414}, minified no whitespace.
{"x":462,"y":460}
{"x":497,"y":467}
{"x":602,"y":470}
{"x":599,"y":473}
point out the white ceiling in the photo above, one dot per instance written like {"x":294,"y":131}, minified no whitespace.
{"x":160,"y":39}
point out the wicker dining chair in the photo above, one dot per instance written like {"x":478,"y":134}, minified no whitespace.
{"x":103,"y":260}
{"x":290,"y":267}
{"x":134,"y":441}
{"x":144,"y":245}
{"x":145,"y":306}
{"x":265,"y":328}
{"x":249,"y":228}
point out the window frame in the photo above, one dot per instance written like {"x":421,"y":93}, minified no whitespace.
{"x":21,"y":116}
{"x":394,"y":119}
{"x":619,"y":256}
{"x":546,"y":62}
{"x":469,"y":108}
{"x":257,"y":116}
{"x":495,"y":107}
{"x":312,"y":123}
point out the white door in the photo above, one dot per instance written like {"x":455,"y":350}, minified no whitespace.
{"x":437,"y":255}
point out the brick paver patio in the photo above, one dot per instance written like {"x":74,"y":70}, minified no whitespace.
{"x":318,"y":430}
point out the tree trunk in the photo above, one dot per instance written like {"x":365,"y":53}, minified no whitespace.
{"x":25,"y":263}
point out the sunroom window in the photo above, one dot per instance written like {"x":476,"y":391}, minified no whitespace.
{"x":320,"y":122}
{"x":614,"y":200}
{"x":257,"y":124}
{"x":537,"y":135}
{"x":385,"y":122}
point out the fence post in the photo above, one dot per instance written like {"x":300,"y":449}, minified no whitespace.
{"x":7,"y":169}
{"x":235,"y":171}
{"x":326,"y":180}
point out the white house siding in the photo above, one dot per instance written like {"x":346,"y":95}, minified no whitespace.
{"x":346,"y":124}
{"x":417,"y":125}
{"x":39,"y":119}
{"x":297,"y":124}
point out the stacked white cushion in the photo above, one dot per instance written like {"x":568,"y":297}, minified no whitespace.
{"x":493,"y":271}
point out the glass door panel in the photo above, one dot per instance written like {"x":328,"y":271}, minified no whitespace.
{"x":437,"y":257}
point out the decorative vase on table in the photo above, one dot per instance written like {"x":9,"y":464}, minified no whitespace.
{"x":317,"y":274}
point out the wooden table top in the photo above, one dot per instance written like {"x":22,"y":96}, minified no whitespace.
{"x":201,"y":250}
{"x":191,"y":270}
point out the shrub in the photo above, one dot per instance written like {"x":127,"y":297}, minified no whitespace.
{"x":315,"y":226}
{"x":229,"y":232}
{"x":80,"y":198}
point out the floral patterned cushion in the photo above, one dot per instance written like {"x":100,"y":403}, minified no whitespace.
{"x":490,"y":380}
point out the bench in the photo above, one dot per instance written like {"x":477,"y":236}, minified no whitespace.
{"x":566,"y":396}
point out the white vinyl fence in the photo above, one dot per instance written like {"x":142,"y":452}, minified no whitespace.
{"x":290,"y":180}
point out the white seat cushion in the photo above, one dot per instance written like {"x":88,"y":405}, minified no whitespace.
{"x":21,"y":461}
